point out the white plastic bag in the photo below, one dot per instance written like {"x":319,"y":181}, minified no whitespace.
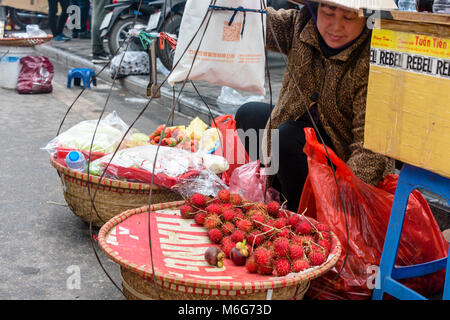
{"x":79,"y":137}
{"x":133,"y":63}
{"x":225,"y":57}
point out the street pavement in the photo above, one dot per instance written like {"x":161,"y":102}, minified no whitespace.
{"x":44,"y":246}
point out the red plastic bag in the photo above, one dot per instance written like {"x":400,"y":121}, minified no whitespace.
{"x":368,"y":210}
{"x":233,"y":149}
{"x":36,"y":75}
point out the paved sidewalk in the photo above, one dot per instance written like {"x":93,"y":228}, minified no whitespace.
{"x":76,"y":53}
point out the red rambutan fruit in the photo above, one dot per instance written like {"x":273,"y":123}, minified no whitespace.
{"x":228,"y":215}
{"x":255,"y":238}
{"x":186,"y":211}
{"x":235,"y":199}
{"x":262,"y":256}
{"x":244,"y":225}
{"x":280,"y":223}
{"x":282,"y":267}
{"x":251,"y":264}
{"x":211,"y":221}
{"x":300,"y":265}
{"x":224,"y":195}
{"x":258,"y":219}
{"x":228,"y":228}
{"x":283,"y":214}
{"x":295,"y":251}
{"x":227,"y":247}
{"x":214,"y":208}
{"x":293,"y":220}
{"x":238,"y":236}
{"x":273,"y":208}
{"x":303,"y":228}
{"x":281,"y":247}
{"x":215,"y":235}
{"x":325,"y":244}
{"x":316,"y":258}
{"x":200,"y":218}
{"x":198,"y":200}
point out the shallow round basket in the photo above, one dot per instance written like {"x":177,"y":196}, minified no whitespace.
{"x":178,"y":247}
{"x":112,"y":198}
{"x":25,"y":42}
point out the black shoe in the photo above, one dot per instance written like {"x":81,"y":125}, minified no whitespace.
{"x":100,"y":58}
{"x":75,"y":35}
{"x":85,"y":35}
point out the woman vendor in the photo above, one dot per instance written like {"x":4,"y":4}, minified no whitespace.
{"x":327,"y":49}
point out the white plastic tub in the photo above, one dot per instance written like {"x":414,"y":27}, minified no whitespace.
{"x":9,"y":72}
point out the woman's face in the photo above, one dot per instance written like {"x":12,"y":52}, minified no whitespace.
{"x":338,"y":26}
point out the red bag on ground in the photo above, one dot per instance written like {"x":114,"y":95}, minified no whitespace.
{"x":368,"y":210}
{"x":36,"y":75}
{"x":233,"y":149}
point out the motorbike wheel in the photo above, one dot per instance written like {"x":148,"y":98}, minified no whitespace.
{"x":172,"y":26}
{"x":22,"y":21}
{"x":119,"y":33}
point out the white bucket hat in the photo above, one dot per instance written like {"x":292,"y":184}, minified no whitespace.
{"x":356,"y":5}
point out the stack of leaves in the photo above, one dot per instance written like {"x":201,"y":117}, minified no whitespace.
{"x":266,"y":238}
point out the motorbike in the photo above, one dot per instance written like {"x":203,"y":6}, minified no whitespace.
{"x":21,"y":18}
{"x":120,"y":18}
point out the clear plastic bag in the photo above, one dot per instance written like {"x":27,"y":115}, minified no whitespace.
{"x":79,"y":137}
{"x":33,"y":31}
{"x":172,"y":164}
{"x":205,"y":182}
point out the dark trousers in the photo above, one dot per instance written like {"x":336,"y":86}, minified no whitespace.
{"x":57,"y":24}
{"x":293,"y":166}
{"x":85,"y":6}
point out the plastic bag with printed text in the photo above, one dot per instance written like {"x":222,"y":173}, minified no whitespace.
{"x":368,"y":210}
{"x":232,"y":45}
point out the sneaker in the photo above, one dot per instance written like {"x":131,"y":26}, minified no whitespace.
{"x":85,"y":35}
{"x":100,"y":58}
{"x":66,"y":38}
{"x":61,"y":37}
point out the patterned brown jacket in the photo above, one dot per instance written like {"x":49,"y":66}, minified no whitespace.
{"x":340,"y":82}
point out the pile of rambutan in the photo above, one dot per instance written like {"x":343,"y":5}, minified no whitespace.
{"x":277,"y":241}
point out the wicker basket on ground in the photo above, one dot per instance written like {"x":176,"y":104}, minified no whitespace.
{"x":179,"y":268}
{"x":25,"y":42}
{"x":112,"y":198}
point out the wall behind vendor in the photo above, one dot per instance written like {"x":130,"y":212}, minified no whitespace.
{"x":31,"y":5}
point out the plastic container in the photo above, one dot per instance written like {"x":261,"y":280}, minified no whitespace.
{"x":9,"y":72}
{"x":441,"y":6}
{"x":75,"y":161}
{"x":407,"y":5}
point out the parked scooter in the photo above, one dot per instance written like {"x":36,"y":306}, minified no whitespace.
{"x":21,"y":18}
{"x":119,"y":21}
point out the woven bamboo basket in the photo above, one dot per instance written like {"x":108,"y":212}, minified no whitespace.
{"x":112,"y":198}
{"x":25,"y":42}
{"x":137,"y":279}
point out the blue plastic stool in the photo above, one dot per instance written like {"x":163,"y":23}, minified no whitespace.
{"x":81,"y":73}
{"x":410,"y":178}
